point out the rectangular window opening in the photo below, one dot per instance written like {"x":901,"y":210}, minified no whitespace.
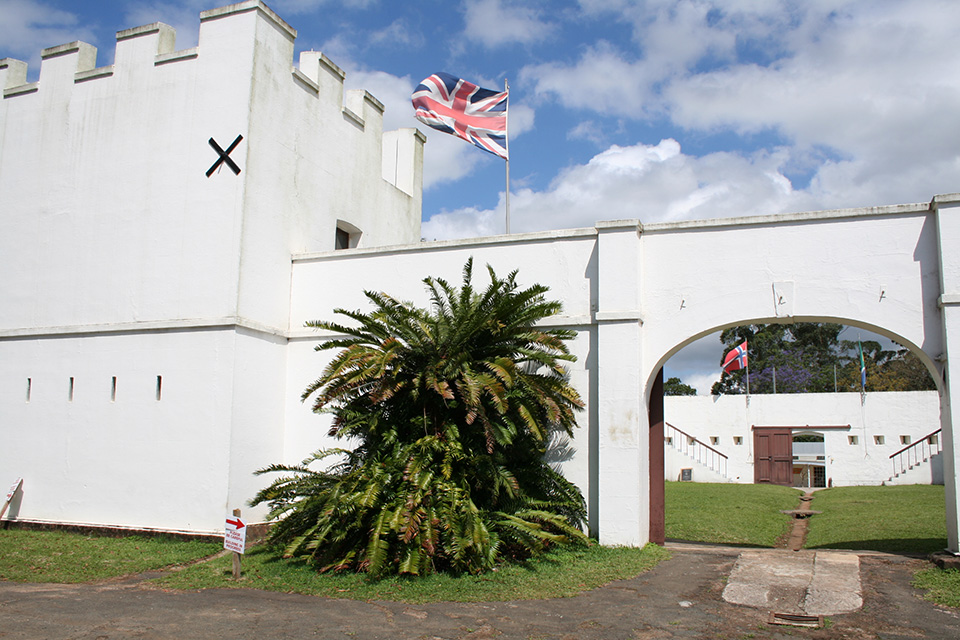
{"x":738,"y":440}
{"x":852,"y":439}
{"x":113,"y":390}
{"x":159,"y":387}
{"x":934,"y":439}
{"x":29,"y":388}
{"x":70,"y":394}
{"x":904,"y":439}
{"x":669,"y":440}
{"x":877,"y":439}
{"x":714,"y":439}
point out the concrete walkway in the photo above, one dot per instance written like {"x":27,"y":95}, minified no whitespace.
{"x":796,"y":582}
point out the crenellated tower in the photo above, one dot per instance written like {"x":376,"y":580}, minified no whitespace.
{"x":149,"y":210}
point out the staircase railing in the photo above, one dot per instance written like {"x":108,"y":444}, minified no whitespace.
{"x":916,"y":452}
{"x":694,"y":448}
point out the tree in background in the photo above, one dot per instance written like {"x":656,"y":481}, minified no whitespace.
{"x":451,"y":409}
{"x":675,"y":387}
{"x":887,"y":370}
{"x":805,"y":357}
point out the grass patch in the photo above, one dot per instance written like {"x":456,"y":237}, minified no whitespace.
{"x":559,"y":573}
{"x":57,"y":556}
{"x":898,"y":519}
{"x":741,"y":514}
{"x":942,"y":585}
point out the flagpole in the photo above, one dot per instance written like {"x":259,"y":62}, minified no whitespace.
{"x":748,"y":374}
{"x":506,"y":89}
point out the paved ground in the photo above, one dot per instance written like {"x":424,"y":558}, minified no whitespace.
{"x":796,"y":582}
{"x":681,"y":598}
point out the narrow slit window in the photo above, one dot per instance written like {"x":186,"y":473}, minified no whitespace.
{"x":113,"y":389}
{"x":159,"y":388}
{"x":70,"y":392}
{"x":29,"y":388}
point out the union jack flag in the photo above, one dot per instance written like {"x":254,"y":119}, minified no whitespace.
{"x":463,"y":109}
{"x":736,"y":358}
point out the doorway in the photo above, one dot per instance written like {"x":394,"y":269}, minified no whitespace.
{"x":772,"y":455}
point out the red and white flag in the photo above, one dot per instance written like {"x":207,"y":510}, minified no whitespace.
{"x":463,"y":109}
{"x":736,"y":359}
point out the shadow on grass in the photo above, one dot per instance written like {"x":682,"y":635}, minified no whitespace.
{"x":919,"y":546}
{"x":732,"y":545}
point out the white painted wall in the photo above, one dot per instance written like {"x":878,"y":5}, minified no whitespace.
{"x":890,"y":415}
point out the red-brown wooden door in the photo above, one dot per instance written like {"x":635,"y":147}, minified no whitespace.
{"x":773,"y":456}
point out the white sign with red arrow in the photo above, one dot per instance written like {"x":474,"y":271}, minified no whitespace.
{"x":235,"y":534}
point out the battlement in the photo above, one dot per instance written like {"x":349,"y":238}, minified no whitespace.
{"x":222,"y":30}
{"x":194,"y":169}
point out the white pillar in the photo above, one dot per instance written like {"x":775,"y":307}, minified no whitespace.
{"x":948,"y":231}
{"x":623,"y":478}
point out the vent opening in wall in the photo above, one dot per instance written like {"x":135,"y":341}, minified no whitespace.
{"x":348,"y":236}
{"x":159,"y":387}
{"x":29,"y":388}
{"x":70,"y":392}
{"x":113,"y":389}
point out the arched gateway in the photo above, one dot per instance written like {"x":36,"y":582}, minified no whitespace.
{"x":637,"y":293}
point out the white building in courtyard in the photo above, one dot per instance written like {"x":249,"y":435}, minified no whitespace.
{"x":168,"y":224}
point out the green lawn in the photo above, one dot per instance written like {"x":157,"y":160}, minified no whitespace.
{"x":741,"y":514}
{"x":909,"y":518}
{"x":560,"y":573}
{"x":57,"y":556}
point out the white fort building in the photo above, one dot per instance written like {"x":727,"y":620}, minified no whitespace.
{"x":168,"y":224}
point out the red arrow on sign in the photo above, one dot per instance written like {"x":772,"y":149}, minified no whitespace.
{"x":237,"y":523}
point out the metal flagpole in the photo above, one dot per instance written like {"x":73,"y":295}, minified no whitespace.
{"x":748,"y":374}
{"x":506,"y":89}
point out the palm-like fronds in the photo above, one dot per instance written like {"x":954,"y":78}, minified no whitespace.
{"x":452,"y":408}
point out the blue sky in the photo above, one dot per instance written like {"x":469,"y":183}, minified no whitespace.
{"x":659,"y":110}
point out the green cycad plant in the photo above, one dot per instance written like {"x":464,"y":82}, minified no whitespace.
{"x":451,"y":409}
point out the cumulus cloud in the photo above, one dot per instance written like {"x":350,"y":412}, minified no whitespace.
{"x":493,"y":24}
{"x":652,"y":183}
{"x":184,"y":16}
{"x":27,"y":27}
{"x":857,"y":98}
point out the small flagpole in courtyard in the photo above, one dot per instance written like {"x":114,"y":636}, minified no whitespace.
{"x":748,"y":379}
{"x":506,"y":89}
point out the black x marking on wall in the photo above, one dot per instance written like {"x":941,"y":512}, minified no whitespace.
{"x":224,"y":156}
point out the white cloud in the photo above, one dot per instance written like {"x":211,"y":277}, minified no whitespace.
{"x":27,"y":27}
{"x":294,"y":7}
{"x":651,"y":183}
{"x":493,"y":24}
{"x":398,"y":32}
{"x":183,"y":16}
